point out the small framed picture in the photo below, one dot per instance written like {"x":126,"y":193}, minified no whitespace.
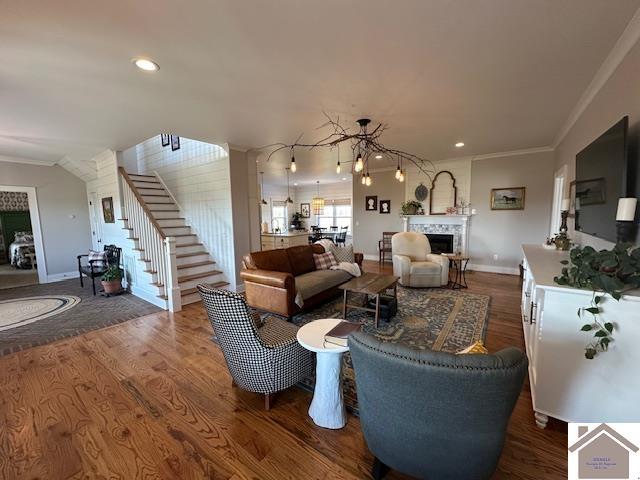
{"x":305,"y":210}
{"x":591,"y":192}
{"x":371,"y":203}
{"x":164,"y":138}
{"x":175,"y":142}
{"x":107,"y":210}
{"x":385,"y":206}
{"x":507,"y":198}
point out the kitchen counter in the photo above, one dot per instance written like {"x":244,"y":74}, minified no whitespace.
{"x":271,"y":241}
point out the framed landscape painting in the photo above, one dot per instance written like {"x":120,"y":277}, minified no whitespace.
{"x":507,"y":198}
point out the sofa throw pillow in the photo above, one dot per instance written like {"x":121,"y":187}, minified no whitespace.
{"x":324,"y":261}
{"x":476,"y":347}
{"x":343,"y":254}
{"x":99,"y":259}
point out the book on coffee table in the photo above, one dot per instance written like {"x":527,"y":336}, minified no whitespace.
{"x":338,"y":334}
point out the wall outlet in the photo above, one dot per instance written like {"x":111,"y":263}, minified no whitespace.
{"x":495,"y":256}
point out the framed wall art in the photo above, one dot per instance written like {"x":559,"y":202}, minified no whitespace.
{"x":371,"y":203}
{"x":507,"y":198}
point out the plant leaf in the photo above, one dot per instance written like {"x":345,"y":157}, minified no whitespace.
{"x":597,"y":300}
{"x":586,"y":328}
{"x":604,"y":342}
{"x":589,"y":353}
{"x":593,"y":310}
{"x":601,"y":333}
{"x":609,"y":326}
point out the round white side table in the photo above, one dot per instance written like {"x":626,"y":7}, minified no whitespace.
{"x":327,"y":407}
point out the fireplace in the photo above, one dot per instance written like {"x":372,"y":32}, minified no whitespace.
{"x":440,"y":243}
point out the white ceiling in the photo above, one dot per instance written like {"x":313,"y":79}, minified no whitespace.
{"x":498,"y":74}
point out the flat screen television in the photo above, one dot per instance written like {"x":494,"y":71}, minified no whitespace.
{"x":601,"y":179}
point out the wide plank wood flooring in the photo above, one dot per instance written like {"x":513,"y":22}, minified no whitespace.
{"x":152,"y":398}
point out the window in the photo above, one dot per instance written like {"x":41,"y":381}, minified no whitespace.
{"x":279,"y":215}
{"x":336,"y":213}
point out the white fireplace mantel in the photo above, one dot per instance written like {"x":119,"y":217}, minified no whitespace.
{"x":456,"y":225}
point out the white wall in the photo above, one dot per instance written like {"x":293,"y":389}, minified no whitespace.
{"x":499,"y":232}
{"x":617,"y":97}
{"x":64,"y":215}
{"x":273,"y":193}
{"x":199,"y":177}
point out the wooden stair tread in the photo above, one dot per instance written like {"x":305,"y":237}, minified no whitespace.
{"x":197,"y":264}
{"x":160,"y":203}
{"x":141,"y":175}
{"x":183,"y":234}
{"x":189,"y":291}
{"x":150,"y":188}
{"x":185,"y":255}
{"x":154,"y":195}
{"x":188,"y":245}
{"x":172,"y":218}
{"x":195,"y":276}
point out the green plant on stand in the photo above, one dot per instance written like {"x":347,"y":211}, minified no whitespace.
{"x":604,"y":272}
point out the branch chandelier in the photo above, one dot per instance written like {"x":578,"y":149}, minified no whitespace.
{"x":364,"y":144}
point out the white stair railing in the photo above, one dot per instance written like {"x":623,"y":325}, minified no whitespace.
{"x":157,"y":248}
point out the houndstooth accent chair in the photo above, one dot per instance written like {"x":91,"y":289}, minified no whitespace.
{"x":262,"y":357}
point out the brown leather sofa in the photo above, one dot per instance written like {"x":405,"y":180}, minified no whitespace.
{"x":273,"y":277}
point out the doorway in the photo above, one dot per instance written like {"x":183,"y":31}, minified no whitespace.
{"x":18,"y":260}
{"x":96,"y":223}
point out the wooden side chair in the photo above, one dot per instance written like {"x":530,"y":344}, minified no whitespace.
{"x":384,"y":247}
{"x":95,"y":268}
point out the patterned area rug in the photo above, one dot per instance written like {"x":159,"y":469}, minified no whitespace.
{"x":91,"y":313}
{"x":22,"y":311}
{"x":437,"y":319}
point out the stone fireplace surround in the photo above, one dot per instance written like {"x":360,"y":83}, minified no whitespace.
{"x":456,"y":225}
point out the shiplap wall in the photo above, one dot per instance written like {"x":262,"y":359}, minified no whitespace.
{"x":198,"y":176}
{"x":459,"y":167}
{"x":328,"y":191}
{"x":277,"y":193}
{"x":105,"y":184}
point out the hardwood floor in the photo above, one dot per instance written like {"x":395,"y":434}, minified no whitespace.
{"x":152,"y":398}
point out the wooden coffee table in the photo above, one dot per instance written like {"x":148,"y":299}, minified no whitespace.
{"x":369,"y":284}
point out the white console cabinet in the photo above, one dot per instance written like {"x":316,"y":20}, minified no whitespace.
{"x":564,"y":384}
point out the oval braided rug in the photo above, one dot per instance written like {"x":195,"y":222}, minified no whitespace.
{"x":22,"y":311}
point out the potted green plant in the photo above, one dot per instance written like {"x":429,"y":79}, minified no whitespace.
{"x":296,"y":220}
{"x":410,"y":207}
{"x":604,"y":272}
{"x":112,"y":280}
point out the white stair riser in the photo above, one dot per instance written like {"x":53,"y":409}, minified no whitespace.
{"x":197,"y":281}
{"x":173,"y":231}
{"x":151,"y":191}
{"x":203,"y":257}
{"x":190,"y":249}
{"x":149,"y":199}
{"x":159,"y":208}
{"x":146,"y":277}
{"x":193,"y":270}
{"x":186,"y":240}
{"x":191,"y":298}
{"x":171,"y":223}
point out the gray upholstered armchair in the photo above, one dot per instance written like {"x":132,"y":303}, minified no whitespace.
{"x":432,"y":414}
{"x":262,"y":357}
{"x":414,"y":263}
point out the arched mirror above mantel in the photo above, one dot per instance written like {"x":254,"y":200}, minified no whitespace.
{"x":444,"y":193}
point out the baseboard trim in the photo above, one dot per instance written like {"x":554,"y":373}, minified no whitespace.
{"x":149,"y":297}
{"x":493,"y":269}
{"x":368,"y":256}
{"x":240,"y":288}
{"x":58,"y":277}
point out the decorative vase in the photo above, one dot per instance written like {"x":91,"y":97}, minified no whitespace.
{"x":113,"y":286}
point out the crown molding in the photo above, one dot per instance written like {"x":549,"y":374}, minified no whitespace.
{"x":623,"y":45}
{"x":512,"y":153}
{"x":28,"y":161}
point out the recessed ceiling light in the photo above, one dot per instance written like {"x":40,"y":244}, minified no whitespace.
{"x":295,"y":184}
{"x":378,"y":157}
{"x":344,"y":178}
{"x":145,"y":64}
{"x":460,"y":144}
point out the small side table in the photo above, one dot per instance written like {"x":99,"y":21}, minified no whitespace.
{"x":327,"y":407}
{"x":458,"y":266}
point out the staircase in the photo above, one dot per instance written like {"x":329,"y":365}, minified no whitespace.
{"x":193,"y":264}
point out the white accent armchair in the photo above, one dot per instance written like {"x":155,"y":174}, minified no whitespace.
{"x":414,"y":263}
